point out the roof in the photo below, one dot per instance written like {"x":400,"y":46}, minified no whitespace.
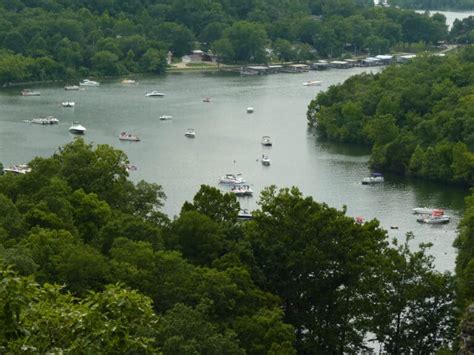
{"x":339,"y":62}
{"x":299,"y":65}
{"x":257,"y":67}
{"x":384,"y":57}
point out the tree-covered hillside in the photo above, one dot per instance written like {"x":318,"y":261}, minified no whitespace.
{"x":434,"y":4}
{"x":418,"y":118}
{"x":300,"y":278}
{"x":63,"y":39}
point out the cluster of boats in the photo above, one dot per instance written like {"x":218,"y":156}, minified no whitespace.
{"x":431,"y":215}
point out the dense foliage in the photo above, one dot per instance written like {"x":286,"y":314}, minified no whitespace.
{"x":434,"y":4}
{"x":418,"y":117}
{"x":462,"y":32}
{"x":63,"y":39}
{"x":301,"y":277}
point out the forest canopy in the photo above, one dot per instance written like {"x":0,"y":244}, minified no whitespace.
{"x":89,"y":263}
{"x":418,"y":118}
{"x":64,"y":39}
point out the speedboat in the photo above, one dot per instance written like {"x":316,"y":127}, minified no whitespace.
{"x":154,"y":94}
{"x":72,"y":88}
{"x":232,"y":179}
{"x":244,"y":215}
{"x":77,"y":128}
{"x":312,"y":83}
{"x":18,"y":169}
{"x":128,"y":81}
{"x":265,"y":160}
{"x":68,"y":104}
{"x":166,"y":117}
{"x":29,"y":92}
{"x":87,"y":82}
{"x":374,"y":178}
{"x":250,"y":109}
{"x":436,"y":217}
{"x":206,"y":99}
{"x":266,"y":141}
{"x":44,"y":120}
{"x":124,"y":136}
{"x":241,"y":190}
{"x":190,"y":133}
{"x":423,"y":210}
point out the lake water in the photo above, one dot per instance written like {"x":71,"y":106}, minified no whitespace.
{"x":228,"y":140}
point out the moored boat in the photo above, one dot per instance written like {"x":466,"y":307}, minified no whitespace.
{"x":166,"y":117}
{"x":244,"y":215}
{"x":72,"y":87}
{"x":18,"y":169}
{"x":77,"y":128}
{"x":128,"y":81}
{"x":266,"y":141}
{"x":232,"y":179}
{"x":436,"y":217}
{"x":423,"y":210}
{"x":124,"y":136}
{"x":190,"y":133}
{"x":29,"y":92}
{"x":69,"y":104}
{"x":87,"y":82}
{"x":241,"y":190}
{"x":312,"y":83}
{"x":154,"y":93}
{"x":374,"y":178}
{"x":48,"y":120}
{"x":206,"y":99}
{"x":250,"y":110}
{"x":265,"y":160}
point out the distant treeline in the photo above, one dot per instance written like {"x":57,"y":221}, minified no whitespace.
{"x":418,"y":117}
{"x":63,"y":39}
{"x":434,"y":4}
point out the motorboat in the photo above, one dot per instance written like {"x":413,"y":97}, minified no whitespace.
{"x":250,"y":110}
{"x":244,"y":215}
{"x":77,"y":128}
{"x":166,"y":117}
{"x":124,"y":136}
{"x":130,"y":167}
{"x":18,"y":169}
{"x":154,"y":94}
{"x":206,"y":99}
{"x":232,"y":179}
{"x":49,"y":120}
{"x":190,"y":133}
{"x":72,"y":88}
{"x":87,"y":82}
{"x":374,"y":178}
{"x":266,"y":141}
{"x":312,"y":83}
{"x":265,"y":160}
{"x":129,"y":82}
{"x":29,"y":92}
{"x":436,"y":217}
{"x":241,"y":190}
{"x":423,"y":210}
{"x":70,"y":104}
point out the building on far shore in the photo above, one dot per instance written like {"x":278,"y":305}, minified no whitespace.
{"x":199,"y":56}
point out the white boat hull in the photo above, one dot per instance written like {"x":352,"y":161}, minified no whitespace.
{"x":434,"y":220}
{"x":422,"y":210}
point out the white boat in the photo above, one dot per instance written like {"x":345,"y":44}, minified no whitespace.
{"x":436,"y":217}
{"x":166,"y":117}
{"x":128,"y":82}
{"x":87,"y":82}
{"x":265,"y":160}
{"x":154,"y":94}
{"x":232,"y":179}
{"x":29,"y":92}
{"x":423,"y":210}
{"x":72,"y":88}
{"x":44,"y":120}
{"x":374,"y":178}
{"x":241,"y":190}
{"x":124,"y":136}
{"x":206,"y":99}
{"x":68,"y":104}
{"x":77,"y":128}
{"x":250,"y":109}
{"x":312,"y":83}
{"x":18,"y":169}
{"x":244,"y":215}
{"x":190,"y":133}
{"x":266,"y":141}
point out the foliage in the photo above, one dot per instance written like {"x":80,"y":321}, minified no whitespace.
{"x":417,"y":117}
